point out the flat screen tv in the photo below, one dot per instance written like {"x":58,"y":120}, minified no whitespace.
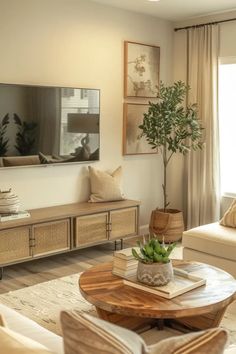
{"x":42,"y":125}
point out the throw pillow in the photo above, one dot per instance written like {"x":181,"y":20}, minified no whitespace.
{"x":229,"y":218}
{"x":14,"y":343}
{"x":84,"y":334}
{"x":105,"y":187}
{"x":211,"y":341}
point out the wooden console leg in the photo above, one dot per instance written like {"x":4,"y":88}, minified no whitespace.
{"x":1,"y":273}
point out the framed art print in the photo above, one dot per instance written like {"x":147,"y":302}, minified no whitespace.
{"x":141,"y":70}
{"x":133,"y":117}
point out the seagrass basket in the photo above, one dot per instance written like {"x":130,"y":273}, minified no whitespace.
{"x":169,"y":224}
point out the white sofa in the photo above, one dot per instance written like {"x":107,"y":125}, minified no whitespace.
{"x":32,"y":330}
{"x":212,"y":244}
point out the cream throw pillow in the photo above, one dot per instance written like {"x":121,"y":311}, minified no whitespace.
{"x":105,"y":187}
{"x":229,"y":218}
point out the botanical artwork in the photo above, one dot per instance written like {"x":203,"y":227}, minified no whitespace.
{"x":133,"y":117}
{"x":141,"y":70}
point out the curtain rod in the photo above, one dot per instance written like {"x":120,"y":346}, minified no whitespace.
{"x":204,"y":24}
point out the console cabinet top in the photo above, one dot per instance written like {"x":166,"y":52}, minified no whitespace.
{"x":67,"y":211}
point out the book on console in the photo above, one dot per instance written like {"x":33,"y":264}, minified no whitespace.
{"x":181,"y":283}
{"x":14,"y":216}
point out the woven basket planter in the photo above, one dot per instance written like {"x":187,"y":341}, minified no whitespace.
{"x":169,"y":224}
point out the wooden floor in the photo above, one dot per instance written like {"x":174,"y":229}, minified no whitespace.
{"x":37,"y":271}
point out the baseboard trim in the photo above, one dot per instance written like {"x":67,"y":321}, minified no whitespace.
{"x":144,"y":229}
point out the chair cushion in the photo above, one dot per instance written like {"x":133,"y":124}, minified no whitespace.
{"x":84,"y":334}
{"x":229,"y":218}
{"x":213,"y":239}
{"x":105,"y":186}
{"x":211,"y":341}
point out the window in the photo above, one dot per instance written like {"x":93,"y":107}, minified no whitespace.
{"x":227,"y":125}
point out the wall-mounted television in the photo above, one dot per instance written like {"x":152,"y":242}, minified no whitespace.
{"x":43,"y":125}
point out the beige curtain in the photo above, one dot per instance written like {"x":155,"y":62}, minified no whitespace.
{"x":202,"y":204}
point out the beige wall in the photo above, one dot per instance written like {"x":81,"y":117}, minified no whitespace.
{"x":80,"y":43}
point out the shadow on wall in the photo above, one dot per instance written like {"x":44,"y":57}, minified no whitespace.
{"x":83,"y":190}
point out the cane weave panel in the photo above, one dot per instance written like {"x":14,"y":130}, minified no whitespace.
{"x":51,"y":237}
{"x":91,"y":229}
{"x":123,"y":223}
{"x":14,"y":244}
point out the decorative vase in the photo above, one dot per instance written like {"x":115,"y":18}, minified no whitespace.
{"x":155,"y":274}
{"x":9,"y":202}
{"x":168,"y":223}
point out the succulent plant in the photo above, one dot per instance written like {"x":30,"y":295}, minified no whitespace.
{"x":153,"y":251}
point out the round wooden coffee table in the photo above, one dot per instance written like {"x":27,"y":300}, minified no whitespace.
{"x":200,"y":308}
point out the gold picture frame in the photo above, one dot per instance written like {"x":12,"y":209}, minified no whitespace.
{"x":132,"y":118}
{"x":141,"y":70}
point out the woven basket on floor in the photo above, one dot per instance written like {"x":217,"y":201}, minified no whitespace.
{"x":169,"y":224}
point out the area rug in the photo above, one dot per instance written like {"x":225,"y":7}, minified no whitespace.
{"x":43,"y":303}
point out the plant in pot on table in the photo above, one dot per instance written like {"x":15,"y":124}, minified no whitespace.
{"x":172,"y":127}
{"x":154,"y":265}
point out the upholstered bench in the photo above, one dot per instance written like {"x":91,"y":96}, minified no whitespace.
{"x":213,"y":244}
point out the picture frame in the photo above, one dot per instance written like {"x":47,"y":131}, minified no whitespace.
{"x":141,"y":70}
{"x":132,"y":118}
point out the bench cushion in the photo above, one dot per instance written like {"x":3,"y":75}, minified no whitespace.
{"x":213,"y":239}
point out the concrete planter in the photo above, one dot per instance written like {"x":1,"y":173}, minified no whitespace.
{"x":155,"y":274}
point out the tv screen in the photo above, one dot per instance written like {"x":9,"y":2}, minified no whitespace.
{"x":42,"y":125}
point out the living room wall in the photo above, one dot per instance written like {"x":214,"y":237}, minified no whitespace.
{"x":79,"y":43}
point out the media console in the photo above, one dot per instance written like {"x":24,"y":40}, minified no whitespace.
{"x":65,"y":228}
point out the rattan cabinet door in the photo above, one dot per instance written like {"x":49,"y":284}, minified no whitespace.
{"x":14,"y":245}
{"x":123,"y":223}
{"x":51,"y":237}
{"x":91,"y":229}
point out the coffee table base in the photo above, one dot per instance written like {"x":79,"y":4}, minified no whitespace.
{"x":184,"y":324}
{"x":209,"y":320}
{"x":133,"y":323}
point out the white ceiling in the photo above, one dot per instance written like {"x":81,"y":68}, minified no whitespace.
{"x":173,"y":10}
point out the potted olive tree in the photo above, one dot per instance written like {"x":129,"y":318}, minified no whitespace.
{"x":172,"y":127}
{"x":154,"y":265}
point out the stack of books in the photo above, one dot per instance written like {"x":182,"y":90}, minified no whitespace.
{"x":124,"y":264}
{"x":14,"y":216}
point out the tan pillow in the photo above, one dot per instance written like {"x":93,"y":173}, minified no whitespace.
{"x":84,"y":334}
{"x":229,"y":218}
{"x":14,"y":343}
{"x":211,"y":341}
{"x":105,"y":187}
